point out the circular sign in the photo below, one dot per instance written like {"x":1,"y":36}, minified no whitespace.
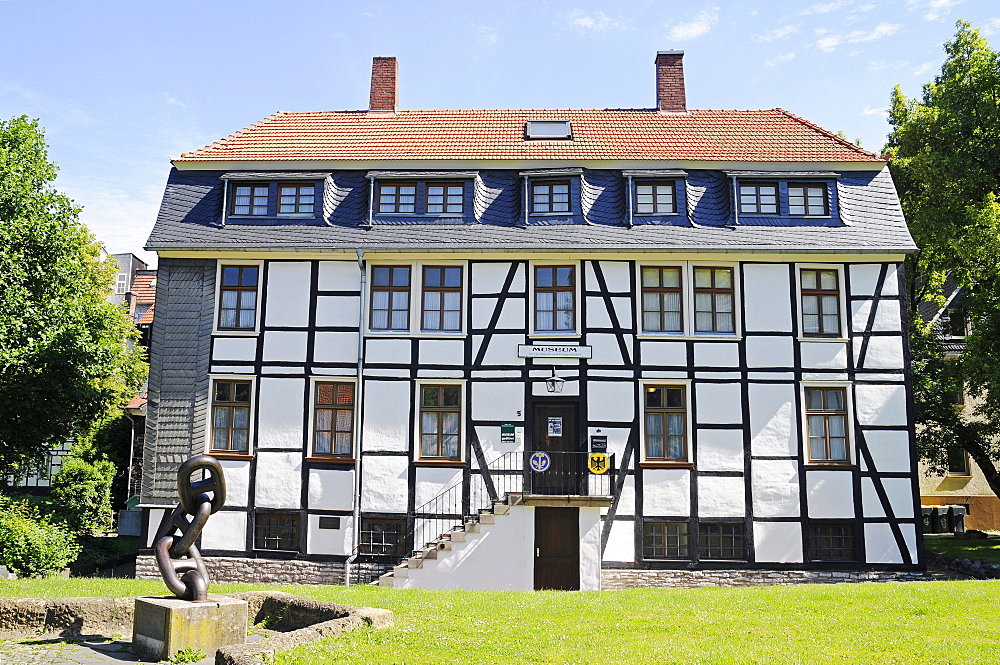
{"x":598,"y":463}
{"x":540,"y":461}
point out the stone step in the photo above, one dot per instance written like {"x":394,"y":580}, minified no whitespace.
{"x":457,"y":536}
{"x":500,"y":508}
{"x":444,"y":545}
{"x":414,"y":562}
{"x":386,"y":580}
{"x":430,"y":553}
{"x":487,"y":518}
{"x":472,"y":526}
{"x":400,"y":571}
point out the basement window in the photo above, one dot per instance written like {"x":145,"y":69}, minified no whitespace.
{"x":548,"y":130}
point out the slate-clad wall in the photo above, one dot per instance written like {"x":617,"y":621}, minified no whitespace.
{"x":178,"y":381}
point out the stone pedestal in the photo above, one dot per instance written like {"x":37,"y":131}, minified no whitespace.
{"x":164,"y":626}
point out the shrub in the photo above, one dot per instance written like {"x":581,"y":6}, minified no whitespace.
{"x":81,"y":495}
{"x":31,"y":547}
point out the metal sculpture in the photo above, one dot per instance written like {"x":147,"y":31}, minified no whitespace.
{"x":177,"y":556}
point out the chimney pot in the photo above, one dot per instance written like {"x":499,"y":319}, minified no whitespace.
{"x":385,"y":86}
{"x":670,"y":96}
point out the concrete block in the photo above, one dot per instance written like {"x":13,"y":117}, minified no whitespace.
{"x":163,"y":626}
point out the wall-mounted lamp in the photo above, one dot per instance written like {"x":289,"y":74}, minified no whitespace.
{"x":554,"y":384}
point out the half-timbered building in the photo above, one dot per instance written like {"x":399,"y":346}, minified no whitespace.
{"x":536,"y":348}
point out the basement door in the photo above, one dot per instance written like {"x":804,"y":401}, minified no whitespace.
{"x":557,"y":548}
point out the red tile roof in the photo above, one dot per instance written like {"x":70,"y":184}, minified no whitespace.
{"x":147,"y":318}
{"x":144,"y":287}
{"x":139,"y":400}
{"x":772,"y":135}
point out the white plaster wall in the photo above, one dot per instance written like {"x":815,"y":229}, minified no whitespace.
{"x":626,"y":499}
{"x":336,"y":347}
{"x":442,"y":351}
{"x":882,"y":353}
{"x":899,"y":492}
{"x":431,"y":481}
{"x":225,"y":530}
{"x":880,"y":545}
{"x":720,"y":450}
{"x":719,"y":403}
{"x":664,"y":354}
{"x":766,"y":294}
{"x":339,"y":276}
{"x":387,"y":351}
{"x":773,"y":421}
{"x":288,"y":293}
{"x":234,"y":348}
{"x":775,"y":488}
{"x":285,"y":346}
{"x":616,"y":275}
{"x":617,"y":440}
{"x":337,"y":310}
{"x":278,"y":481}
{"x":331,"y":489}
{"x":606,"y":350}
{"x":155,"y":515}
{"x":511,"y":315}
{"x":597,"y":313}
{"x":498,"y":401}
{"x":237,"y":475}
{"x":501,"y":556}
{"x":666,"y":492}
{"x":621,"y":542}
{"x":329,"y":541}
{"x":717,"y":354}
{"x":777,"y":542}
{"x":502,"y":349}
{"x":383,"y":483}
{"x":386,"y":428}
{"x":887,"y":316}
{"x":864,"y":277}
{"x":607,"y":400}
{"x":571,"y":387}
{"x":489,"y":277}
{"x":590,"y":549}
{"x":279,"y":413}
{"x":770,"y":352}
{"x":720,"y":496}
{"x":890,"y":450}
{"x":830,"y":494}
{"x":880,"y":404}
{"x":824,"y":355}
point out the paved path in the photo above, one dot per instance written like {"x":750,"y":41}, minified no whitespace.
{"x":60,"y":652}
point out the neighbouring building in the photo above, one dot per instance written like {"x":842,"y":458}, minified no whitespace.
{"x":129,"y":265}
{"x":536,"y":348}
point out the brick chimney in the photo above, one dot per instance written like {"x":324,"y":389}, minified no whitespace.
{"x":670,"y":97}
{"x":385,"y":87}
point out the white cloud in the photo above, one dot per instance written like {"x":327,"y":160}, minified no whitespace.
{"x":925,"y":68}
{"x":595,"y":22}
{"x":487,"y":35}
{"x":868,"y":110}
{"x":992,"y":27}
{"x":823,"y":8}
{"x":697,"y":27}
{"x":865,"y":8}
{"x":881,"y":65}
{"x":934,"y":10}
{"x":121,"y":219}
{"x":829,"y":43}
{"x":779,"y":59}
{"x":778,"y":33}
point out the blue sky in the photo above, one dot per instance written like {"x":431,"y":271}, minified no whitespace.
{"x":122,"y":86}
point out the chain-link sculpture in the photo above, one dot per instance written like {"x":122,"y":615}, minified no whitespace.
{"x":177,"y":555}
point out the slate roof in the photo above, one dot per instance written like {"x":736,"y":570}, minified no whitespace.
{"x":772,"y":135}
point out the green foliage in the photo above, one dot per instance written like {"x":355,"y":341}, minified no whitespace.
{"x":976,"y":550}
{"x":186,"y":655}
{"x":945,"y":160}
{"x":63,"y":354}
{"x":81,"y":495}
{"x":111,"y":440}
{"x":30,"y":545}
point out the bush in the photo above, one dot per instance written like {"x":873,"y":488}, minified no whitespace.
{"x":31,"y":547}
{"x":81,"y":495}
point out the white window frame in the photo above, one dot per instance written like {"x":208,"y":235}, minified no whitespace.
{"x":845,"y":313}
{"x":355,"y":422}
{"x":852,"y":456}
{"x":687,"y":298}
{"x":212,"y":378}
{"x":416,"y":307}
{"x":261,"y":288}
{"x":688,"y":421}
{"x":577,"y":288}
{"x":463,"y":415}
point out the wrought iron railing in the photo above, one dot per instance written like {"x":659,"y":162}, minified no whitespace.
{"x":385,"y":543}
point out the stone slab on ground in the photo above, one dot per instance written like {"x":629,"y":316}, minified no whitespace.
{"x":61,"y":652}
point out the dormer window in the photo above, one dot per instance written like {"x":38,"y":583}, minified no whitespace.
{"x":446,"y":197}
{"x":548,"y":130}
{"x":550,"y":196}
{"x":808,"y":199}
{"x":250,"y":199}
{"x":296,"y":199}
{"x":397,"y":197}
{"x":421,"y":197}
{"x":655,"y":198}
{"x":759,"y":198}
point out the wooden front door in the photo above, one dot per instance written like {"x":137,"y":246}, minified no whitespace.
{"x":555,"y":431}
{"x":557,"y":548}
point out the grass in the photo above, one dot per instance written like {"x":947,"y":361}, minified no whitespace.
{"x":932,"y":622}
{"x":978,"y":550}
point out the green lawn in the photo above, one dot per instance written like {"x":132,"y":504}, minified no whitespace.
{"x":978,"y":550}
{"x":932,"y":622}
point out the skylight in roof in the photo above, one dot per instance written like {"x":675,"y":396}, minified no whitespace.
{"x":548,"y":129}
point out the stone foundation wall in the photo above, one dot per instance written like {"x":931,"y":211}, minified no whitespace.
{"x":239,"y":569}
{"x":623,"y":578}
{"x":978,"y":569}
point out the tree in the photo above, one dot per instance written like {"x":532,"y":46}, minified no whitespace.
{"x":66,"y":357}
{"x":945,"y":159}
